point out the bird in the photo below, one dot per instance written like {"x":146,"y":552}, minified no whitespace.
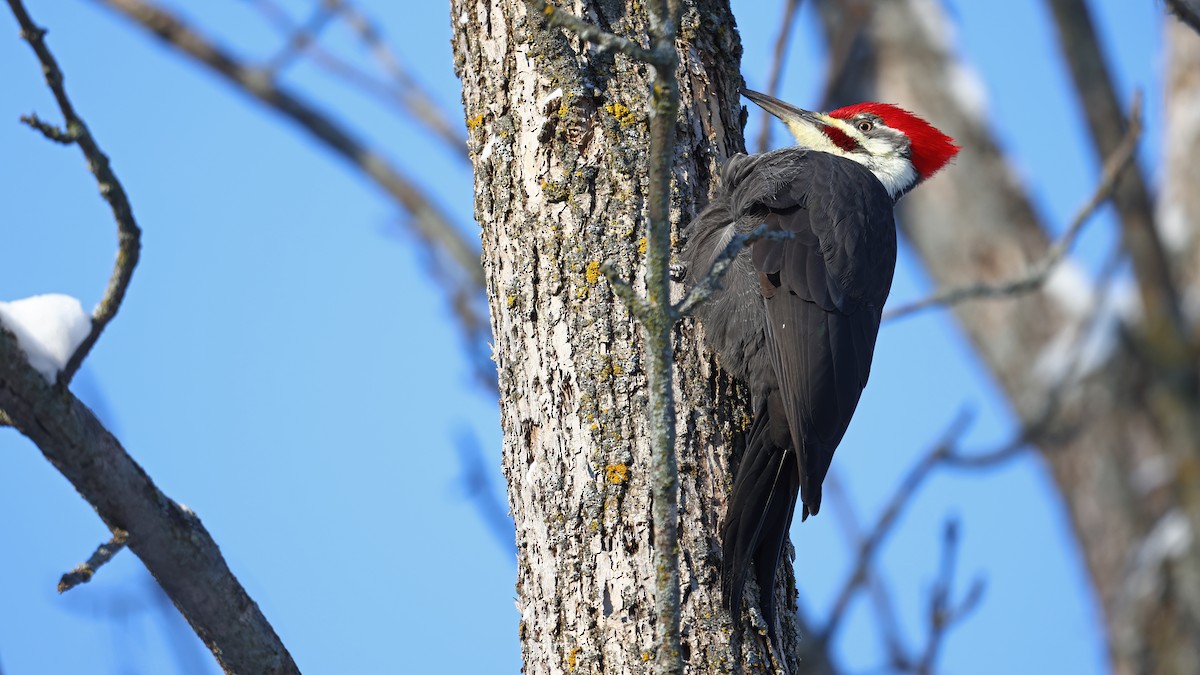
{"x":798,"y":312}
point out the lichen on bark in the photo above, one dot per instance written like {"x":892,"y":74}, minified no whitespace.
{"x":560,"y":146}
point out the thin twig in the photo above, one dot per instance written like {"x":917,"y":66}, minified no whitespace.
{"x":1041,"y":270}
{"x":50,"y":131}
{"x":75,"y":131}
{"x":786,"y":27}
{"x":946,"y":454}
{"x":943,"y":614}
{"x":397,"y":89}
{"x":660,"y":329}
{"x":84,"y":572}
{"x":434,"y":227}
{"x":655,"y":313}
{"x":635,"y":304}
{"x":885,"y":611}
{"x":711,"y":283}
{"x":300,"y":37}
{"x":592,"y":33}
{"x":887,"y":520}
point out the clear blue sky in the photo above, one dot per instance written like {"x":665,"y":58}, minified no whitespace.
{"x":284,"y":368}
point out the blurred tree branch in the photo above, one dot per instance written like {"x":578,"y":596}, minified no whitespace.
{"x":787,"y":26}
{"x":398,"y":88}
{"x":1116,"y":164}
{"x":452,"y":256}
{"x":1101,"y":108}
{"x":1124,"y":413}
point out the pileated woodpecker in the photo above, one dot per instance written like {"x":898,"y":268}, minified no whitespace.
{"x":799,"y":312}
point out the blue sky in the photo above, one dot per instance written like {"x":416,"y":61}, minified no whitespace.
{"x":283,"y":366}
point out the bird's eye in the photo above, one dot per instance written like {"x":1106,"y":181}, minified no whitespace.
{"x":865,"y":126}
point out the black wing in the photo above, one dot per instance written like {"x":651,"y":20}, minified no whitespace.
{"x":796,"y":320}
{"x":823,"y":288}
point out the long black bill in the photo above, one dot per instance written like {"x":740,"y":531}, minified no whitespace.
{"x":784,"y":111}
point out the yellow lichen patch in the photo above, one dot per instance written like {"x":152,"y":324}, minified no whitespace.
{"x":592,"y":273}
{"x":616,"y":473}
{"x":555,"y":191}
{"x":572,"y":658}
{"x":642,"y":246}
{"x":475,"y":122}
{"x":624,"y":116}
{"x":646,"y":655}
{"x":512,"y":300}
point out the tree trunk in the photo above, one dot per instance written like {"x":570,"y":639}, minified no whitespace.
{"x":1123,"y":445}
{"x":559,"y":141}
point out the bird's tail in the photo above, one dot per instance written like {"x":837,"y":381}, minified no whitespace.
{"x":759,"y":516}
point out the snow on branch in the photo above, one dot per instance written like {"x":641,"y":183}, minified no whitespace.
{"x":48,"y":328}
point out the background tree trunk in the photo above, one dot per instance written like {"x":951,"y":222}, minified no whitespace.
{"x":559,"y":143}
{"x":1122,"y":447}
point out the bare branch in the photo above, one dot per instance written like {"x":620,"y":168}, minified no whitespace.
{"x":76,"y":131}
{"x":1101,"y":108}
{"x":660,"y":330}
{"x":168,"y":538}
{"x":300,"y":37}
{"x":455,"y":256}
{"x":50,"y":131}
{"x":943,"y":614}
{"x":84,"y":572}
{"x":398,"y":88}
{"x":885,"y":612}
{"x":887,"y":520}
{"x":786,"y":26}
{"x":1114,"y":166}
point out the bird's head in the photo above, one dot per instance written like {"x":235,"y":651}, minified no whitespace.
{"x":900,"y":148}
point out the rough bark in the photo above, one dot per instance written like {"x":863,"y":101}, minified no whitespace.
{"x":1120,"y":450}
{"x":1178,"y":211}
{"x":559,"y":141}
